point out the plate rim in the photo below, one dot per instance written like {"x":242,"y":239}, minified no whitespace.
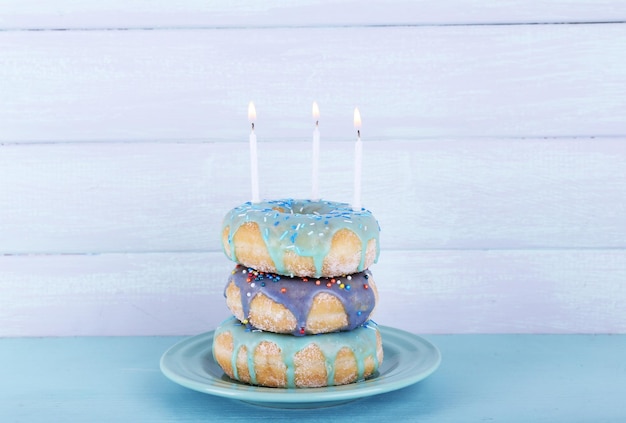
{"x":331,"y":394}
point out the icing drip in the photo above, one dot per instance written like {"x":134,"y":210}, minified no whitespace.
{"x":297,"y":294}
{"x":304,"y":227}
{"x":361,"y":341}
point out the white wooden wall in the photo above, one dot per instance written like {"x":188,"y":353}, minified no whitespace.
{"x":495,"y":148}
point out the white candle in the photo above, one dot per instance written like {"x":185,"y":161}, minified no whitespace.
{"x":358,"y":158}
{"x":254,"y":160}
{"x":315,"y":194}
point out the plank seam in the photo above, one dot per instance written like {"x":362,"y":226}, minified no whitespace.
{"x":330,"y":139}
{"x":394,"y":251}
{"x":332,"y":26}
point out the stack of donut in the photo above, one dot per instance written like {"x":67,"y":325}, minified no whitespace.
{"x":301,"y":294}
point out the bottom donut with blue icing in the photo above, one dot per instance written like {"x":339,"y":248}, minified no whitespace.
{"x":286,"y":361}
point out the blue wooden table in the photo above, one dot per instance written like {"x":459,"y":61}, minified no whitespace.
{"x":509,"y":378}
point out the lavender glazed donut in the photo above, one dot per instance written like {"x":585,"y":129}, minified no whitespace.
{"x":300,"y":305}
{"x":301,"y":237}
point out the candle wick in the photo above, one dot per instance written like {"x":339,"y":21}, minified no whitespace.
{"x":358,"y":133}
{"x":317,"y":123}
{"x":253,"y":126}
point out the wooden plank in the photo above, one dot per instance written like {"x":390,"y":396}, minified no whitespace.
{"x":452,"y":194}
{"x":196,"y":13}
{"x":409,"y":82}
{"x":566,"y":291}
{"x":458,"y":194}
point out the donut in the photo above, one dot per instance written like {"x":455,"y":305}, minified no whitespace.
{"x":301,"y":237}
{"x":285,"y":361}
{"x":299,"y":305}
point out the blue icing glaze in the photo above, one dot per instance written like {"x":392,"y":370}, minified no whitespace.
{"x":362,"y":341}
{"x":354,"y":292}
{"x":304,"y":227}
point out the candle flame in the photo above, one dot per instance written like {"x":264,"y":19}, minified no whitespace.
{"x":251,"y":112}
{"x":316,"y":111}
{"x":357,"y":118}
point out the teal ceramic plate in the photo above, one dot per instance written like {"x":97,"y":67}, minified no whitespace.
{"x":408,"y":359}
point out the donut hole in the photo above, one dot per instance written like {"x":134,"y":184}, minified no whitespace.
{"x":306,"y":207}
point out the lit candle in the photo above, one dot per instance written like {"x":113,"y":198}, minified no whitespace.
{"x":254,"y":160}
{"x":316,"y":153}
{"x":358,"y":158}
